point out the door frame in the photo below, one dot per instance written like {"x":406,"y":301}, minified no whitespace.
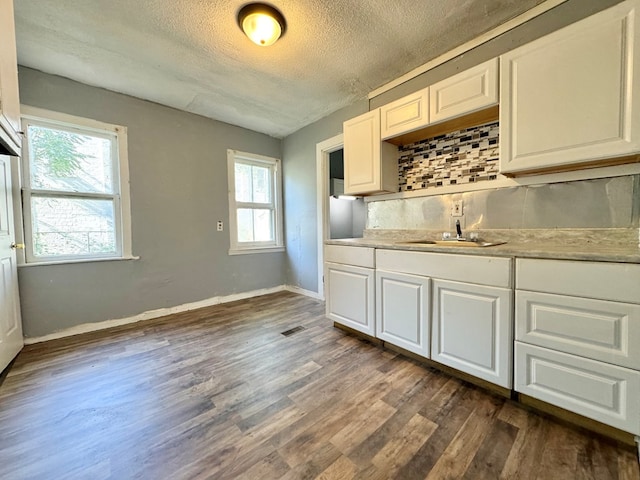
{"x":323,"y":149}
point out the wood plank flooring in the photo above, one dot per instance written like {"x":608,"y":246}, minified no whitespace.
{"x":220,"y":393}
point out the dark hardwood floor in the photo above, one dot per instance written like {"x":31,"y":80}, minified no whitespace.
{"x":220,"y":393}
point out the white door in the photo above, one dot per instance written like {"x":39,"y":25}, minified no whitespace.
{"x":10,"y":324}
{"x":350,"y":296}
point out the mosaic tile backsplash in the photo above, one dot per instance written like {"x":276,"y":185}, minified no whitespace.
{"x":466,"y":156}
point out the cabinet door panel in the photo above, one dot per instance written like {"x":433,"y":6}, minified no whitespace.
{"x":402,"y":311}
{"x":591,"y":328}
{"x":466,"y":92}
{"x":405,"y":115}
{"x":597,"y":390}
{"x":350,"y":296}
{"x":567,"y":98}
{"x":362,"y":153}
{"x":472,"y":330}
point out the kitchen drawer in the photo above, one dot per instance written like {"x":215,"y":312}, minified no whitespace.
{"x":597,"y":329}
{"x":618,"y":282}
{"x":597,"y":390}
{"x":347,"y":255}
{"x":491,"y":271}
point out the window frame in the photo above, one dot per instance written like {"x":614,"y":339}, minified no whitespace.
{"x":117,"y":134}
{"x":274,"y":165}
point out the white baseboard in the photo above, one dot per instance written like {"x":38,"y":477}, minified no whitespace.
{"x":302,"y":291}
{"x":161,"y":312}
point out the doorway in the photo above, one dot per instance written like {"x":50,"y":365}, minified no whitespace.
{"x":347,"y":214}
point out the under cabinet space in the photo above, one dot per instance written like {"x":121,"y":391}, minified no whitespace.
{"x":597,"y":390}
{"x":472,"y":330}
{"x":402,"y":310}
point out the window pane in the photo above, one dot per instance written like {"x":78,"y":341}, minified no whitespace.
{"x":261,"y":185}
{"x":255,"y":225}
{"x":71,"y":226}
{"x":66,"y":161}
{"x":243,"y":183}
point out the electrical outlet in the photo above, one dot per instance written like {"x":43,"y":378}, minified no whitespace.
{"x":220,"y":226}
{"x":456,"y":208}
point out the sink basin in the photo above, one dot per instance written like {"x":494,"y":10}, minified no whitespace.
{"x":452,"y":243}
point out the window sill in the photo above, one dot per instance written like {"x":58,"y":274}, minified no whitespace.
{"x":244,"y":251}
{"x":83,"y":260}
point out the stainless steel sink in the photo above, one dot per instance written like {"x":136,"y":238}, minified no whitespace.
{"x":452,"y":243}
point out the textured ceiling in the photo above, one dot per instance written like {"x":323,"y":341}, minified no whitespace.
{"x":191,"y":55}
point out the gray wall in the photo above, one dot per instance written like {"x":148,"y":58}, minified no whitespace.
{"x":560,"y":16}
{"x":178,"y":175}
{"x":299,"y":168}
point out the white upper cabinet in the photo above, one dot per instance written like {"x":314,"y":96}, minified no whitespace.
{"x":405,"y":115}
{"x":466,"y":92}
{"x":568,"y":98}
{"x":370,"y":165}
{"x":9,"y":101}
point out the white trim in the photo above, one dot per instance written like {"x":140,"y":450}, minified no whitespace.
{"x":465,"y":47}
{"x":302,"y":291}
{"x":323,"y":149}
{"x":80,"y":260}
{"x":151,"y":314}
{"x":506,"y":182}
{"x":275,"y":167}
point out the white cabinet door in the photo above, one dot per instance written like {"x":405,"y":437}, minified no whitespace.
{"x":9,"y":99}
{"x":350,"y":296}
{"x":370,"y":165}
{"x":597,"y":390}
{"x":573,"y":96}
{"x":472,"y":330}
{"x":405,"y":115}
{"x":402,"y":311}
{"x":466,"y":92}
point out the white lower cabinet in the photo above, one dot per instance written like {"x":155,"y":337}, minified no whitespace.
{"x":349,"y":278}
{"x":577,"y":331}
{"x":606,"y":393}
{"x":472,"y":330}
{"x":350,"y":296}
{"x":402,"y":311}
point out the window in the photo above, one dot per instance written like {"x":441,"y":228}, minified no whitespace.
{"x":75,"y":189}
{"x":255,"y":213}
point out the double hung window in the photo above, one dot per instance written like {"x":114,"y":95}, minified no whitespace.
{"x":75,"y":189}
{"x":254,"y":202}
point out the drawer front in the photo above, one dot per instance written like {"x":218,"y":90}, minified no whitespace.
{"x":492,"y":271}
{"x":619,"y":282}
{"x":350,"y":296}
{"x":347,"y":255}
{"x":597,"y":390}
{"x":590,"y":328}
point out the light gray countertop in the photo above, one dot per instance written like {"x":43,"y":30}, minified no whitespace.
{"x":597,"y":249}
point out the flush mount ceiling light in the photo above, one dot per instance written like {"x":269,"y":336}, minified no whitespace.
{"x":262,"y":23}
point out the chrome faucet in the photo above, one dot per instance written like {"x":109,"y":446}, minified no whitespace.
{"x":459,"y":231}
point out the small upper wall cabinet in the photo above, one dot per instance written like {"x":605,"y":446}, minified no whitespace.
{"x":466,"y":92}
{"x":370,"y":165}
{"x":404,"y":115}
{"x":9,"y":101}
{"x":573,"y":97}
